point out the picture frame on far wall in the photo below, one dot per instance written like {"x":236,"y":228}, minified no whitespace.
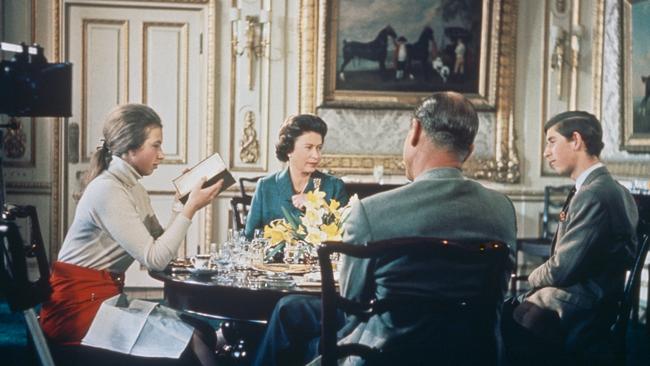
{"x":382,"y":53}
{"x":373,"y":106}
{"x":635,"y":134}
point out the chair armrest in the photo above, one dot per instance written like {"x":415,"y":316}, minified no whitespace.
{"x":538,"y":247}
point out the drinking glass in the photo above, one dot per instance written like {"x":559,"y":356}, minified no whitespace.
{"x":224,"y":260}
{"x":214,"y":252}
{"x":258,"y":234}
{"x":256,"y":251}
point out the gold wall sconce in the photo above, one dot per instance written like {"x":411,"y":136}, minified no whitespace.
{"x":566,"y":51}
{"x":256,"y":41}
{"x":558,"y":58}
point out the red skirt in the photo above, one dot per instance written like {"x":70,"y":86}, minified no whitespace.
{"x":77,"y":293}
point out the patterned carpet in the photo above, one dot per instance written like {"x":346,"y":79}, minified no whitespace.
{"x":13,"y":338}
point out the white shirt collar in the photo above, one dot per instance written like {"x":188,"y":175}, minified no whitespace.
{"x":582,"y":177}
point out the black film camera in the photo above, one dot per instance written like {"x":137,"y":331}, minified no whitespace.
{"x":30,"y":86}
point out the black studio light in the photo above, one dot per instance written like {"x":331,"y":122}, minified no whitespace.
{"x":32,"y":87}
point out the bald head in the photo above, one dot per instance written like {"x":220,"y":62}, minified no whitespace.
{"x":449,"y":121}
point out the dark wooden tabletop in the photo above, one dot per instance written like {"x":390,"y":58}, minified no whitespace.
{"x":246,"y":298}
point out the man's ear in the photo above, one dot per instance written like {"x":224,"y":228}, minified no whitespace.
{"x":470,"y":150}
{"x":416,"y":130}
{"x":576,"y":141}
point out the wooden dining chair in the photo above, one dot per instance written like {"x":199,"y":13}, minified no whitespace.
{"x":490,"y":263}
{"x":614,"y":352}
{"x":247,"y":182}
{"x":24,"y":281}
{"x":239,"y":207}
{"x":539,"y":247}
{"x":629,"y":300}
{"x":24,"y":273}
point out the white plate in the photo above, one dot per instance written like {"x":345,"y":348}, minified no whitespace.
{"x":202,"y":271}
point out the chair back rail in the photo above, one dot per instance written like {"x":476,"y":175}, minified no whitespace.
{"x":630,"y":294}
{"x":554,"y":197}
{"x":492,"y":255}
{"x":24,"y":273}
{"x":239,"y":207}
{"x":243,"y":182}
{"x":24,"y":269}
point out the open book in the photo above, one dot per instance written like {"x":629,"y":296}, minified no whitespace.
{"x":212,"y":167}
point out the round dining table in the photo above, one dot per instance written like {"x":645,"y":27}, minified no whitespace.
{"x":242,"y":296}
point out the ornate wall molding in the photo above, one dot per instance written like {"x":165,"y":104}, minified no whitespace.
{"x":121,"y":27}
{"x":211,"y":42}
{"x":251,"y":45}
{"x":182,"y":75}
{"x":249,"y":146}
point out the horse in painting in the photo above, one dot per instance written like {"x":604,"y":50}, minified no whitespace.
{"x":375,"y":50}
{"x":420,"y":51}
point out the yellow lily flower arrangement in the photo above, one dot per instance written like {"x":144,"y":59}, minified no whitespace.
{"x":294,"y":239}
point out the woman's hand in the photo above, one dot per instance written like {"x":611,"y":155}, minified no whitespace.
{"x":299,"y":200}
{"x":201,"y":197}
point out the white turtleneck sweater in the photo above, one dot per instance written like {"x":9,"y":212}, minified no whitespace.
{"x":115,"y":224}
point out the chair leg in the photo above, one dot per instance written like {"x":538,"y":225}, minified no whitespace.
{"x":513,"y":284}
{"x":38,"y":337}
{"x":647,"y":306}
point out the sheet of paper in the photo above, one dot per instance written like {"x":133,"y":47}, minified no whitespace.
{"x":118,"y":324}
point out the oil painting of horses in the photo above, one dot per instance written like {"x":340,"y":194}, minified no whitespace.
{"x":407,"y":46}
{"x":641,"y":66}
{"x":636,"y":126}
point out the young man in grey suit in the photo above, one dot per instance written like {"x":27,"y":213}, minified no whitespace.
{"x":594,"y":245}
{"x":439,"y":202}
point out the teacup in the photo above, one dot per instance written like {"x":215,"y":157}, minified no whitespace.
{"x":201,"y":261}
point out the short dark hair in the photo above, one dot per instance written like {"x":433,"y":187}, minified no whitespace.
{"x":292,"y":128}
{"x":450,"y":121}
{"x":584,"y":123}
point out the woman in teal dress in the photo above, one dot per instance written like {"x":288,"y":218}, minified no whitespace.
{"x":300,"y":142}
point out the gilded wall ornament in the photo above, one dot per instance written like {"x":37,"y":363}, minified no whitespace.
{"x":249,"y":151}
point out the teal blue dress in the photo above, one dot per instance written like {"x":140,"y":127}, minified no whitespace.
{"x":275,"y":191}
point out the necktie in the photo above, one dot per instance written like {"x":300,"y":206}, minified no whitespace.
{"x":563,"y":215}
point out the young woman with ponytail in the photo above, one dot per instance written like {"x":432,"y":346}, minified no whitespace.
{"x":114,"y":225}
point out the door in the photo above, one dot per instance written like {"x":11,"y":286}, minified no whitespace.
{"x":143,"y":54}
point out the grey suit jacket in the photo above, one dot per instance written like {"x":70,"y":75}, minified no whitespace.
{"x":439,"y":203}
{"x":594,"y":246}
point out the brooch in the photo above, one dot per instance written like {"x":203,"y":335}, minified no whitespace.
{"x":563,"y":216}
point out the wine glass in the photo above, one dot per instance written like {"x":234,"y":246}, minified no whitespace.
{"x":214,"y":253}
{"x":224,"y":259}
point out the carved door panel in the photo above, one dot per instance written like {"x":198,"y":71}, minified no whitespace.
{"x":141,"y":54}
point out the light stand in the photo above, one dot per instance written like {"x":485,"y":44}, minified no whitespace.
{"x":29,"y":86}
{"x":12,"y":125}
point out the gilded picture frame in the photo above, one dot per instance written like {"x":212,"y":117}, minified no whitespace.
{"x":496,"y":97}
{"x":404,"y":52}
{"x":635,"y":129}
